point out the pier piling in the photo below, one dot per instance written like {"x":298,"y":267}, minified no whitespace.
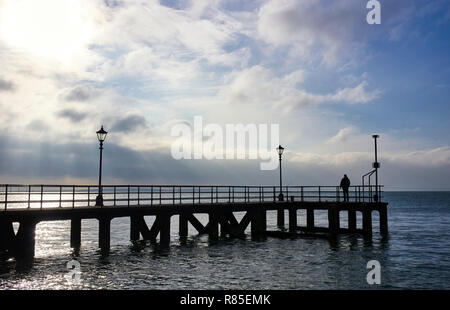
{"x":310,"y":218}
{"x":352,"y":220}
{"x":213,"y":224}
{"x":383,"y":220}
{"x":164,"y":232}
{"x":280,"y":217}
{"x":183,"y":225}
{"x":75,"y":232}
{"x":104,"y":235}
{"x":135,"y":228}
{"x":24,"y":240}
{"x":292,"y":219}
{"x":367,"y":222}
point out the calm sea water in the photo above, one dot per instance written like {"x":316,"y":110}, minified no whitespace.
{"x":416,"y":255}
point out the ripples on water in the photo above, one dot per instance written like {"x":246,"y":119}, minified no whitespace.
{"x":416,"y":256}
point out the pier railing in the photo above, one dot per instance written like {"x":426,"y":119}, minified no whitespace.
{"x":16,"y":196}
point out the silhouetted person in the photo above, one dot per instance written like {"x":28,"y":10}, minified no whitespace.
{"x":345,"y":184}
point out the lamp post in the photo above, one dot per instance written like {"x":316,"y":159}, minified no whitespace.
{"x":376,"y":165}
{"x":280,"y":150}
{"x":101,"y":135}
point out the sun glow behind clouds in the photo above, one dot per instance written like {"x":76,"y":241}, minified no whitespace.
{"x":49,"y":29}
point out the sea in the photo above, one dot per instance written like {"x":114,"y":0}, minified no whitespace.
{"x":415,"y":255}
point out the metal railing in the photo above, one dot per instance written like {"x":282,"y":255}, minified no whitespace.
{"x":17,"y":196}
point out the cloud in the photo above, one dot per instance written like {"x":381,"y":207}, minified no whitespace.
{"x":6,"y":85}
{"x":327,"y":31}
{"x":343,"y":135}
{"x":80,"y":93}
{"x":258,"y":85}
{"x":50,"y":162}
{"x":129,"y":123}
{"x":74,"y":116}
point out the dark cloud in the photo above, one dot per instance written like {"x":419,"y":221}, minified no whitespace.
{"x":73,"y":115}
{"x":6,"y":85}
{"x":129,"y":123}
{"x":48,"y":162}
{"x":37,"y":125}
{"x":81,"y":93}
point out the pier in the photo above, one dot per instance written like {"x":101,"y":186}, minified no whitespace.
{"x":28,"y":205}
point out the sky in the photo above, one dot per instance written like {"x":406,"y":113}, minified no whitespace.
{"x":314,"y":67}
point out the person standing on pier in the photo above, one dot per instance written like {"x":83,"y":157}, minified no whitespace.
{"x":345,"y":184}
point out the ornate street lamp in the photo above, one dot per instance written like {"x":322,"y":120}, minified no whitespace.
{"x":280,"y":151}
{"x":101,"y":135}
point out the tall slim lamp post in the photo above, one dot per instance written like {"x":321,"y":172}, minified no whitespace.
{"x":280,"y":151}
{"x":101,"y":135}
{"x":376,"y":165}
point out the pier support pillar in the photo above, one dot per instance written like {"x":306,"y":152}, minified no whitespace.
{"x":292,"y":219}
{"x":183,"y":225}
{"x":383,"y":221}
{"x":352,"y":220}
{"x":104,"y":233}
{"x":263,"y":221}
{"x":333,"y":220}
{"x":310,"y":218}
{"x":164,"y":233}
{"x":7,"y":238}
{"x":75,"y":233}
{"x":367,"y":222}
{"x":213,"y":226}
{"x":258,"y":224}
{"x":25,"y":241}
{"x":280,"y":217}
{"x":135,"y":228}
{"x":224,"y":231}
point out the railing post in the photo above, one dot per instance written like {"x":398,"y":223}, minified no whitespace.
{"x":29,"y":195}
{"x":6,"y":196}
{"x":60,"y":196}
{"x":139,"y":195}
{"x":151,"y":196}
{"x":319,"y":195}
{"x":42,"y":194}
{"x":212,"y":195}
{"x":115,"y":195}
{"x":287,"y":193}
{"x":160,"y":200}
{"x":73,"y":197}
{"x":89,"y":196}
{"x":302,"y":192}
{"x":193,"y":195}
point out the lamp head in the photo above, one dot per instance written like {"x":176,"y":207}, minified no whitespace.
{"x":101,"y":134}
{"x":280,"y":150}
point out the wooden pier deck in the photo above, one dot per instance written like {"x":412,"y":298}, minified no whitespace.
{"x":30,"y":204}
